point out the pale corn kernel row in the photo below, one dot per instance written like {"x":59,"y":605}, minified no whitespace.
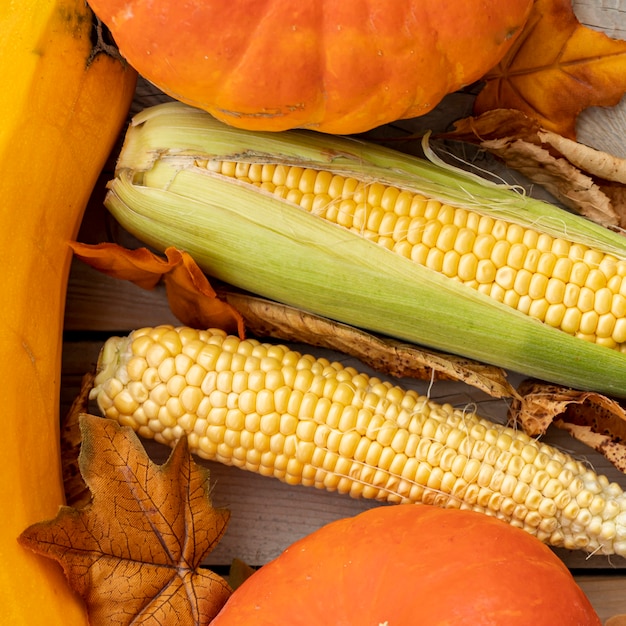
{"x":271,"y":410}
{"x":569,"y":286}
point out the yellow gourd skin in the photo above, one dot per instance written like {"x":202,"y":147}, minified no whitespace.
{"x":61,"y":114}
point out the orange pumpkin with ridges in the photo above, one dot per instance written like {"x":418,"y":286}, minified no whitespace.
{"x":411,"y":564}
{"x":337,"y":66}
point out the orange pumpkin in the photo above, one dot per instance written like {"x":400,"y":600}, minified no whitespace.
{"x":337,"y":66}
{"x":410,"y":564}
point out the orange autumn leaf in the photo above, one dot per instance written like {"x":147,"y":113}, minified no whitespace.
{"x":134,"y":552}
{"x":190,"y":295}
{"x":556,"y":69}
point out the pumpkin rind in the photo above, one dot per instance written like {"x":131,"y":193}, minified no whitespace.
{"x":403,"y":565}
{"x":337,"y":67}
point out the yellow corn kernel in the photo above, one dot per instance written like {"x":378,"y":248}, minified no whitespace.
{"x":534,"y":263}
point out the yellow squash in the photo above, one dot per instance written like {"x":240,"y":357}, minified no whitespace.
{"x":63,"y":103}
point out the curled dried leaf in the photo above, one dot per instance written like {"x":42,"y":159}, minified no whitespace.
{"x":189,"y":293}
{"x":558,"y":176}
{"x":585,"y":180}
{"x":594,"y":419}
{"x":594,"y":162}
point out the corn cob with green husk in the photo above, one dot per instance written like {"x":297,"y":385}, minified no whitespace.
{"x":382,"y":241}
{"x":269,"y":409}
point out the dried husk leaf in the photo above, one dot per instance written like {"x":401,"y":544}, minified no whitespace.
{"x":558,"y":176}
{"x":594,"y":162}
{"x":617,"y":195}
{"x":266,"y":318}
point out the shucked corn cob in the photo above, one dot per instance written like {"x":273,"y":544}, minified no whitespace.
{"x":460,"y":266}
{"x":271,"y":410}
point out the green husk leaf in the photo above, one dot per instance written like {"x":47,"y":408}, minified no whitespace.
{"x":267,"y":246}
{"x":173,"y":128}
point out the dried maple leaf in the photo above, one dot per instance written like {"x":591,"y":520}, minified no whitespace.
{"x":592,"y":418}
{"x":266,"y":318}
{"x":556,"y":69}
{"x":134,"y":552}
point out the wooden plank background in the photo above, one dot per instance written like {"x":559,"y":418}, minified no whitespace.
{"x":267,"y":515}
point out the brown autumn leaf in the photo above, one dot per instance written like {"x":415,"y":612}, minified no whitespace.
{"x":189,"y":293}
{"x":266,"y":318}
{"x":585,"y":180}
{"x":555,"y":69}
{"x":592,"y":418}
{"x":134,"y":552}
